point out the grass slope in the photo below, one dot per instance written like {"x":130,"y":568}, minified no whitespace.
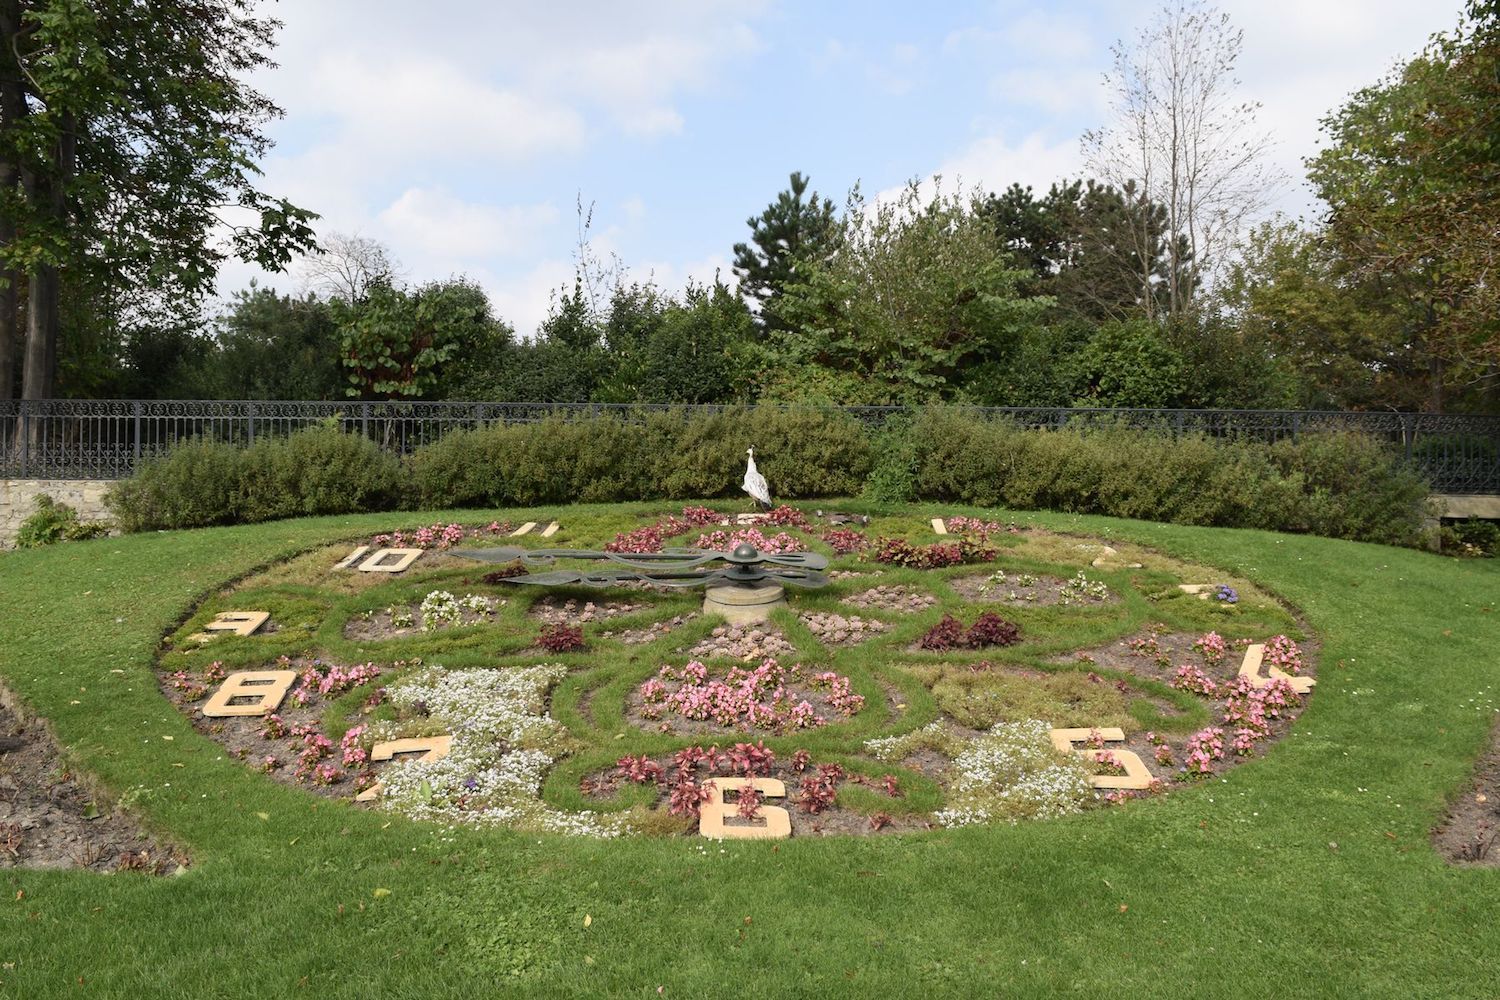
{"x":1307,"y":873}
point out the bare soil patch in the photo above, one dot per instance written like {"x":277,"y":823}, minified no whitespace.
{"x":894,"y":598}
{"x":837,"y":630}
{"x":652,"y":632}
{"x":571,"y":611}
{"x":49,"y":820}
{"x":742,"y":642}
{"x":1023,"y":589}
{"x":1470,"y":832}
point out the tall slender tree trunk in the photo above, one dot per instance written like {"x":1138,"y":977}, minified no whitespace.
{"x":39,"y":378}
{"x":12,"y":111}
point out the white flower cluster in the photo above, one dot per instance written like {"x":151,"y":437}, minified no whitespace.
{"x":894,"y":748}
{"x":442,"y":608}
{"x":1081,"y":589}
{"x":401,"y":616}
{"x":1014,"y":772}
{"x":504,"y":742}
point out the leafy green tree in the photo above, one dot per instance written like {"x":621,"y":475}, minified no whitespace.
{"x":790,"y":231}
{"x":125,"y":131}
{"x":1130,"y":364}
{"x":272,"y":346}
{"x":398,"y":344}
{"x":919,"y":296}
{"x":1342,"y":334}
{"x":1411,"y":177}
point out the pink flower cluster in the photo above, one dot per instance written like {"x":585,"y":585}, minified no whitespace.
{"x":188,"y":685}
{"x":1190,"y":678}
{"x":1247,"y":708}
{"x":436,"y":536}
{"x":1203,"y":748}
{"x":354,"y":754}
{"x":757,"y":698}
{"x":724,"y":541}
{"x":315,"y":747}
{"x":839,"y":694}
{"x":984,"y":529}
{"x":1211,"y":645}
{"x":1254,"y":707}
{"x":1284,"y":654}
{"x":335,"y":680}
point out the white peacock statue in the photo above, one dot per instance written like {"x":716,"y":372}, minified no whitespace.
{"x":755,"y":483}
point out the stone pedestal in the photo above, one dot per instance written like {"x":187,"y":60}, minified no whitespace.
{"x":743,"y":605}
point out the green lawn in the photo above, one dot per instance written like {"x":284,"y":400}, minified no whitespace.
{"x":1306,"y":873}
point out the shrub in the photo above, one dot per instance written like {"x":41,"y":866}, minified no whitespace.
{"x":1338,"y":484}
{"x":319,"y":470}
{"x":194,"y":485}
{"x":55,"y":522}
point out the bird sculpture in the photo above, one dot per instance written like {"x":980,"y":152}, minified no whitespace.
{"x":755,"y":484}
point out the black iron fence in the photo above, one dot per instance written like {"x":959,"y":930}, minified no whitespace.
{"x":106,"y":438}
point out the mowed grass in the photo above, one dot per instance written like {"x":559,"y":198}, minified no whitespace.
{"x":1306,"y":873}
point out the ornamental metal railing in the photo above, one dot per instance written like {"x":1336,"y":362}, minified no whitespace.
{"x":109,"y":438}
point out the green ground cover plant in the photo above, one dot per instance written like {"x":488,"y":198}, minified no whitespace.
{"x":1305,"y":872}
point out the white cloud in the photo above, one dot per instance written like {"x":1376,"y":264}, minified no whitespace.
{"x":437,"y":224}
{"x":420,"y":108}
{"x":1053,"y":91}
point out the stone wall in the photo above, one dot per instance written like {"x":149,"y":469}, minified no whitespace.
{"x":18,"y":501}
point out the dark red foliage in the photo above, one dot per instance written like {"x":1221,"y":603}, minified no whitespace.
{"x":752,"y":759}
{"x":687,"y":796}
{"x":641,"y":770}
{"x":900,"y":552}
{"x":891,"y":785}
{"x":946,"y":634}
{"x":817,"y":792}
{"x":843,"y":541}
{"x":561,"y":638}
{"x":879,"y":821}
{"x":506,"y":572}
{"x":989,"y":629}
{"x":800,"y":760}
{"x":750,"y":800}
{"x":787,"y":517}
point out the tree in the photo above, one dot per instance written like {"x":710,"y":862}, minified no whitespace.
{"x":1188,"y":144}
{"x":1130,"y":364}
{"x":1345,"y":336}
{"x":397,"y":344}
{"x":1411,"y":177}
{"x":272,"y":346}
{"x":345,"y":267}
{"x":1088,"y":246}
{"x":127,"y":137}
{"x":918,"y":297}
{"x":790,"y":231}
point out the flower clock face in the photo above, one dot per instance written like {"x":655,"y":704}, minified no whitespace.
{"x":956,"y":671}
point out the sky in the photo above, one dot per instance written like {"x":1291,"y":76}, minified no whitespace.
{"x":464,"y":135}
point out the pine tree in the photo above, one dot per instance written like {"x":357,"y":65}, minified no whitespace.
{"x":790,"y":231}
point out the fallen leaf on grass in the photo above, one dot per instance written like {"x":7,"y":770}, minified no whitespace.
{"x":587,"y":920}
{"x":381,"y":892}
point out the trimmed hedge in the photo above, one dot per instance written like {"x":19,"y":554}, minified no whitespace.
{"x":1342,"y":485}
